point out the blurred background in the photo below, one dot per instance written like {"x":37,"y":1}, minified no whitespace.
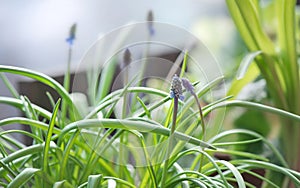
{"x":33,"y":32}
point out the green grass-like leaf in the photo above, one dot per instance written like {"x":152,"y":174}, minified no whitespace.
{"x":48,"y":137}
{"x":23,"y":177}
{"x":132,"y":125}
{"x":94,"y":181}
{"x":244,"y":65}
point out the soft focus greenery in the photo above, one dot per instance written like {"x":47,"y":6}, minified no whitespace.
{"x":270,"y":32}
{"x":138,"y":136}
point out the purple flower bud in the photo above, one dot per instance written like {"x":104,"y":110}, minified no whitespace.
{"x":176,"y":88}
{"x":172,"y":95}
{"x":187,"y":85}
{"x":150,"y":23}
{"x":127,"y":57}
{"x":72,"y":34}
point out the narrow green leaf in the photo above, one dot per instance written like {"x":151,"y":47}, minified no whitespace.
{"x":237,"y":85}
{"x":94,"y":181}
{"x":62,"y":184}
{"x":39,"y":77}
{"x":48,"y":138}
{"x":246,"y":18}
{"x":10,"y":86}
{"x":30,"y":150}
{"x":146,"y":110}
{"x":106,"y":79}
{"x":23,"y":177}
{"x":132,"y":125}
{"x":8,"y":169}
{"x":43,"y":79}
{"x":235,"y":172}
{"x":270,"y":166}
{"x":244,"y":65}
{"x":19,"y":104}
{"x":257,"y":106}
{"x":119,"y":181}
{"x":183,"y":69}
{"x":22,"y":132}
{"x":238,"y":153}
{"x":26,"y":121}
{"x":51,"y":100}
{"x":177,"y":181}
{"x":230,"y":133}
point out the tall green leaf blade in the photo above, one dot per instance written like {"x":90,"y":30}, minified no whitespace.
{"x":132,"y":125}
{"x":285,"y":10}
{"x":48,"y":138}
{"x":23,"y":177}
{"x":39,"y":77}
{"x":237,"y":85}
{"x":43,"y":79}
{"x":94,"y":181}
{"x":62,"y":184}
{"x":9,"y":86}
{"x":235,"y":172}
{"x":246,"y":62}
{"x":240,"y":23}
{"x":106,"y":79}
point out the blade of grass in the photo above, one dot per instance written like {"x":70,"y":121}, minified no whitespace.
{"x":26,"y":121}
{"x":24,"y":133}
{"x":106,"y":79}
{"x":10,"y":86}
{"x":43,"y":79}
{"x":238,"y":177}
{"x":62,"y":184}
{"x":254,"y":134}
{"x":8,"y":169}
{"x":30,"y":150}
{"x":19,"y":104}
{"x":23,"y":177}
{"x":183,"y":68}
{"x":270,"y":166}
{"x":66,"y":154}
{"x":132,"y":125}
{"x":48,"y":138}
{"x":257,"y":106}
{"x":246,"y":62}
{"x":94,"y":181}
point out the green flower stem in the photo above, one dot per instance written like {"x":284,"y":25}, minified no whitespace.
{"x":67,"y":79}
{"x":203,"y":128}
{"x":170,"y":145}
{"x":123,"y":138}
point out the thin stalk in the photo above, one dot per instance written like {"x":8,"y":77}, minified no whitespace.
{"x":124,"y":156}
{"x":203,"y":129}
{"x":67,"y":87}
{"x":142,"y":72}
{"x":9,"y":86}
{"x":170,"y":145}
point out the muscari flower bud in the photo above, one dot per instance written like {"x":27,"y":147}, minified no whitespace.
{"x":150,"y":22}
{"x":176,"y":88}
{"x":187,"y":85}
{"x":72,"y":34}
{"x":127,"y":57}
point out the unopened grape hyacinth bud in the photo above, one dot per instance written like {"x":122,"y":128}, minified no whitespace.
{"x":127,"y":57}
{"x":150,"y":22}
{"x":72,"y":34}
{"x":187,"y":85}
{"x":176,"y":88}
